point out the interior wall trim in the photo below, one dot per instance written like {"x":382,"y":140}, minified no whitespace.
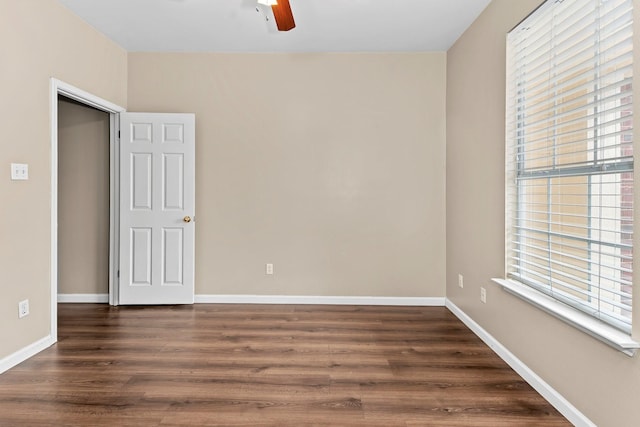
{"x":23,"y":354}
{"x":279,"y":299}
{"x":83,"y":298}
{"x":541,"y":386}
{"x":321,"y":300}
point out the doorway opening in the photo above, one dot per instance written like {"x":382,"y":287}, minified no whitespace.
{"x":83,"y":203}
{"x":82,"y":99}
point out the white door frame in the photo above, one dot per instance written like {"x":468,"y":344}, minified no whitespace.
{"x":59,"y":87}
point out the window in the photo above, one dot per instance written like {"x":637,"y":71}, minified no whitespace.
{"x":570,"y":155}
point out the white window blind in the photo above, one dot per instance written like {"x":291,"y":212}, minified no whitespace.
{"x":570,"y":155}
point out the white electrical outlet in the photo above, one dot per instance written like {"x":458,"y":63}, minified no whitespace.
{"x":23,"y":308}
{"x":460,"y":281}
{"x":483,"y":295}
{"x":269,"y":269}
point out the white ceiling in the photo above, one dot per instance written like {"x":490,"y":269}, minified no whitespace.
{"x":321,"y":25}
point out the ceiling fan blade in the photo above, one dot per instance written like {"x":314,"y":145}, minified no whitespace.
{"x":284,"y":16}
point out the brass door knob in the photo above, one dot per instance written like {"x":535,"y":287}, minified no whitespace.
{"x":187,"y":218}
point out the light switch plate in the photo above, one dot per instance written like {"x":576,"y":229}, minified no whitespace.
{"x":19,"y":171}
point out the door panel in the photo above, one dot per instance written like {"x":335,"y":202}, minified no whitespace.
{"x":140,"y":181}
{"x":173,"y":182}
{"x":172,"y":256}
{"x":157,"y":153}
{"x":141,"y":256}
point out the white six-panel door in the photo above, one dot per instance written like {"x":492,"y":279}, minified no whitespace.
{"x":157,"y":207}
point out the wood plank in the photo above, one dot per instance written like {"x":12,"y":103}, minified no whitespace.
{"x":253,"y":365}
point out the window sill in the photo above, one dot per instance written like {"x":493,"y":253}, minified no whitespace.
{"x":601,"y":331}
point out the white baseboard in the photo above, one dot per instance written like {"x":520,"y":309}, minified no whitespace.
{"x":278,"y":299}
{"x":320,"y":300}
{"x":553,"y":397}
{"x":83,"y":298}
{"x":23,"y":354}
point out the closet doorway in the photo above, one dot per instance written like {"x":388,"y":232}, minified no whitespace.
{"x":83,"y":202}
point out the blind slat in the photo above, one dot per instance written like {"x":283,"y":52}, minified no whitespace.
{"x":570,"y":155}
{"x":559,"y":271}
{"x":527,"y":248}
{"x":558,"y":284}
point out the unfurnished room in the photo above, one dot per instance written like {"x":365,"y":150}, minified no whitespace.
{"x":319,"y":213}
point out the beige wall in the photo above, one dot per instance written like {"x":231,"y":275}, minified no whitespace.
{"x":601,"y":382}
{"x":330,"y":166}
{"x":83,"y":199}
{"x":39,"y":40}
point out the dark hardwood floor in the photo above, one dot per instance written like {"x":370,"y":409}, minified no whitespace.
{"x":254,"y":365}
